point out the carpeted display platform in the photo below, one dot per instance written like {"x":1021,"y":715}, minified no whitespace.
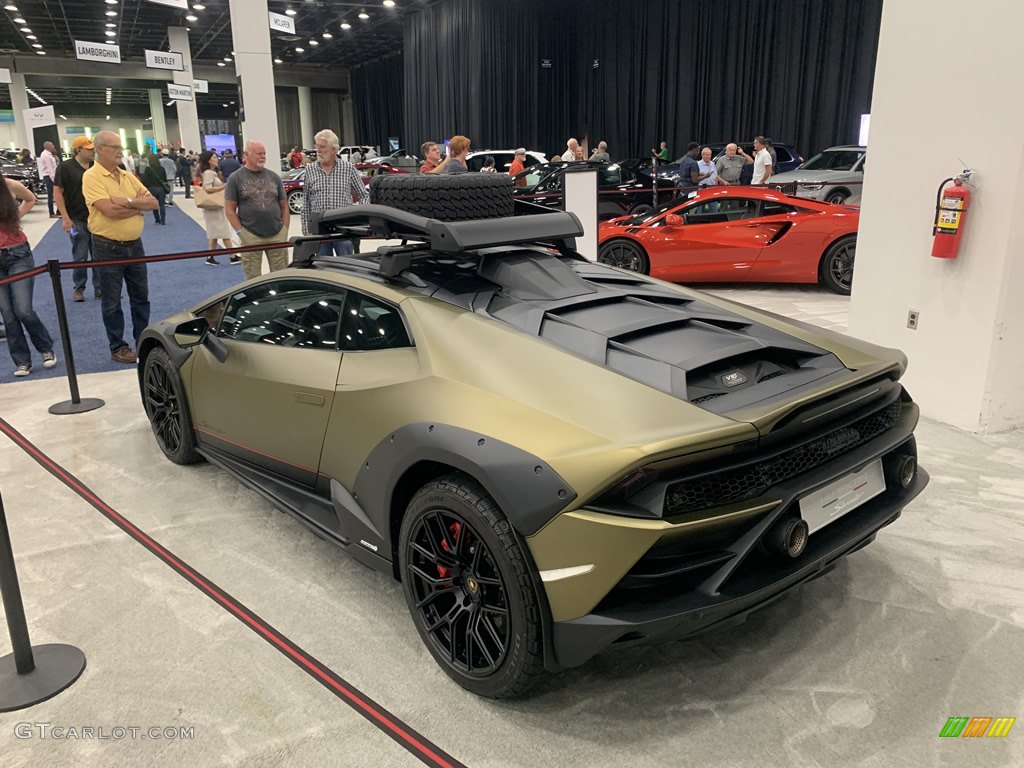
{"x":173,"y":286}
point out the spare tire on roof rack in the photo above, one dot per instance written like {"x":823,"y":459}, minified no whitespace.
{"x":446,"y":197}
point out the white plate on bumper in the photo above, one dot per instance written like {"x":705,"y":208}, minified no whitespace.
{"x":828,"y":504}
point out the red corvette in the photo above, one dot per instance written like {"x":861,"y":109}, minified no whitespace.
{"x":737,"y":234}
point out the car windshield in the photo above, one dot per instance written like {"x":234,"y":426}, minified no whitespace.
{"x":643,"y":218}
{"x":530,"y":178}
{"x":833,"y":160}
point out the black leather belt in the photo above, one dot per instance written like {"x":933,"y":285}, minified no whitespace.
{"x":117,"y":242}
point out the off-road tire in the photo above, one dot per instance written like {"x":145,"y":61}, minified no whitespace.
{"x":437,"y":577}
{"x":448,"y":197}
{"x":167,"y":408}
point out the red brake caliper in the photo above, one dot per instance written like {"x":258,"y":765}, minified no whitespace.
{"x":455,"y":529}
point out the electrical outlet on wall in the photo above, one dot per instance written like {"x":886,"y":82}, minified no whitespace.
{"x":913,"y":316}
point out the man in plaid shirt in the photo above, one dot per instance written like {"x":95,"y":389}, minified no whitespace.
{"x":330,"y":183}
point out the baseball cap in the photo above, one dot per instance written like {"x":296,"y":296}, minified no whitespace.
{"x":81,"y":142}
{"x":165,"y":151}
{"x":521,"y":151}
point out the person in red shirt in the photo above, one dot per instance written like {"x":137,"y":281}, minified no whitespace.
{"x":295,"y":158}
{"x":431,"y":156}
{"x":518,"y":166}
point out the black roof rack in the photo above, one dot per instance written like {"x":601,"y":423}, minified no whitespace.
{"x":447,"y":236}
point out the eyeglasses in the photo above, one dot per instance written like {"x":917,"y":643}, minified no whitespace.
{"x":116,"y":147}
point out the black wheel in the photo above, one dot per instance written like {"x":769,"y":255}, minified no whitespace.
{"x":836,"y":269}
{"x":167,"y":408}
{"x":295,"y":198}
{"x":469,"y":589}
{"x":448,"y":197}
{"x":837,"y":196}
{"x":624,"y":254}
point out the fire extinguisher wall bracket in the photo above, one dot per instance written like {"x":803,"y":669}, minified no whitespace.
{"x":950,"y":208}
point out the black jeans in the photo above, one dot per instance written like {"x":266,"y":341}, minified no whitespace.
{"x":134,"y":276}
{"x":160,"y":193}
{"x":49,"y":193}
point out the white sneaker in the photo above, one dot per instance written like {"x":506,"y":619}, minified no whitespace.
{"x":49,"y":359}
{"x":23,"y":370}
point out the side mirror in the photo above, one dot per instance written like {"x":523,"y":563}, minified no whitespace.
{"x":191,"y":332}
{"x":673,"y":220}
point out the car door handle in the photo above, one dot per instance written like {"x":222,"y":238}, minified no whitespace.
{"x":309,"y":399}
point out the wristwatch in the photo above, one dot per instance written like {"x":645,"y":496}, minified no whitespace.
{"x":130,"y":202}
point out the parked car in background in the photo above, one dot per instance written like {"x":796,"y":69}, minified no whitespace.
{"x":368,"y":170}
{"x":737,"y":234}
{"x":25,"y":174}
{"x":619,"y":190}
{"x":400,"y":158}
{"x":833,"y":175}
{"x":502,"y":159}
{"x":293,"y":188}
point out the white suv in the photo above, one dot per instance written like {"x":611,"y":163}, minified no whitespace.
{"x":502,"y":159}
{"x":832,"y":175}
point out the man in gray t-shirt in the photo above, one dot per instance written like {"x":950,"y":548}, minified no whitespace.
{"x":730,"y":165}
{"x":257,"y":208}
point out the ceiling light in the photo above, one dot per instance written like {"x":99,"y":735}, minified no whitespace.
{"x":389,"y":3}
{"x":364,"y":15}
{"x":227,"y":58}
{"x":290,"y":12}
{"x":36,"y":45}
{"x":328,"y":35}
{"x":19,"y":20}
{"x":111,"y":2}
{"x":26,"y":30}
{"x":300,"y":50}
{"x":111,"y":13}
{"x":41,"y":53}
{"x":346,"y":25}
{"x":313,"y":43}
{"x":11,"y":7}
{"x":221,"y":64}
{"x":168,"y":103}
{"x":223,"y":105}
{"x":191,"y":17}
{"x":63,"y":117}
{"x":278,"y":61}
{"x":110,"y":33}
{"x":198,"y":7}
{"x":31,"y":37}
{"x":110,"y":24}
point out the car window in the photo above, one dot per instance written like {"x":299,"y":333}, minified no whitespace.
{"x":552,"y":183}
{"x":721,"y":211}
{"x":782,"y":154}
{"x":529,"y":179}
{"x":836,"y":160}
{"x":772,"y":208}
{"x":288,"y":313}
{"x":611,"y":176}
{"x":369,"y":324}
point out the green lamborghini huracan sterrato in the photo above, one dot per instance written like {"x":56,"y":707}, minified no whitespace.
{"x":553,"y":456}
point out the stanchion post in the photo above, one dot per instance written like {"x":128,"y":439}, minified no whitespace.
{"x":75,"y":404}
{"x":22,"y":683}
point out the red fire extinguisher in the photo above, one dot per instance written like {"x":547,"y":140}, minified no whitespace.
{"x":950,"y":208}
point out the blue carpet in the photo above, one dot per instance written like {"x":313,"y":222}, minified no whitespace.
{"x":173,"y":286}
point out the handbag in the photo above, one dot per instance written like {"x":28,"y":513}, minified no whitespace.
{"x":209,"y":200}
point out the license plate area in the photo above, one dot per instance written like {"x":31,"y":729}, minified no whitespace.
{"x":828,"y":504}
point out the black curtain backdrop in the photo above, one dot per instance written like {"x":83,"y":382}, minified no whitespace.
{"x":800,"y":71}
{"x":327,"y":113}
{"x":378,"y":106}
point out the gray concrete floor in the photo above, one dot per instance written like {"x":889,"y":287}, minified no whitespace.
{"x":859,"y":668}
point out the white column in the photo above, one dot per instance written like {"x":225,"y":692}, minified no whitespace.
{"x":306,"y":128}
{"x":951,"y":96}
{"x":156,"y":108}
{"x":188,"y":113}
{"x":581,"y":199}
{"x":250,"y":32}
{"x":19,"y":103}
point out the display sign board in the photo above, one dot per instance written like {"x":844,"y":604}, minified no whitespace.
{"x":165,"y":60}
{"x":201,"y":86}
{"x":5,"y":75}
{"x":281,"y":23}
{"x":86,"y":51}
{"x":179,"y":92}
{"x":39,"y":116}
{"x":183,"y":4}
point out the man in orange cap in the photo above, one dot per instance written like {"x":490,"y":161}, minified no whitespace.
{"x":74,"y":213}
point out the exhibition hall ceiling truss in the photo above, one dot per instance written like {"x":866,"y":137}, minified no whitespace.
{"x":329,"y":34}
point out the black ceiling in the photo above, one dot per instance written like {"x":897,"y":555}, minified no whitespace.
{"x":142,"y":24}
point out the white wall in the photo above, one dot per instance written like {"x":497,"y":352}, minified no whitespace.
{"x":946,"y":88}
{"x":8,"y":133}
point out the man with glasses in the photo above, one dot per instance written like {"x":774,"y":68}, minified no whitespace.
{"x":117,"y":201}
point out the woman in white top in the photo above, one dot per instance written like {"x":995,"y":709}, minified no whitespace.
{"x":214,"y":219}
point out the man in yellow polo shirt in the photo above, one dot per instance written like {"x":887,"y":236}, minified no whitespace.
{"x":116,"y":201}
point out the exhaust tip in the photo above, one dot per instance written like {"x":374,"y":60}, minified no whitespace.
{"x":901,"y":470}
{"x":788,"y":537}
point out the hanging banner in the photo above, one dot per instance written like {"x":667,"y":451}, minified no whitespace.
{"x":179,"y":92}
{"x":86,"y":51}
{"x":281,"y":23}
{"x":201,"y":86}
{"x":183,"y":4}
{"x":39,"y":116}
{"x":165,"y":60}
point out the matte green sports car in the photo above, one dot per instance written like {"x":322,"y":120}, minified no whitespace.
{"x":552,"y":455}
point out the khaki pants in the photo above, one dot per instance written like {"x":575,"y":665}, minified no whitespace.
{"x":252,"y":263}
